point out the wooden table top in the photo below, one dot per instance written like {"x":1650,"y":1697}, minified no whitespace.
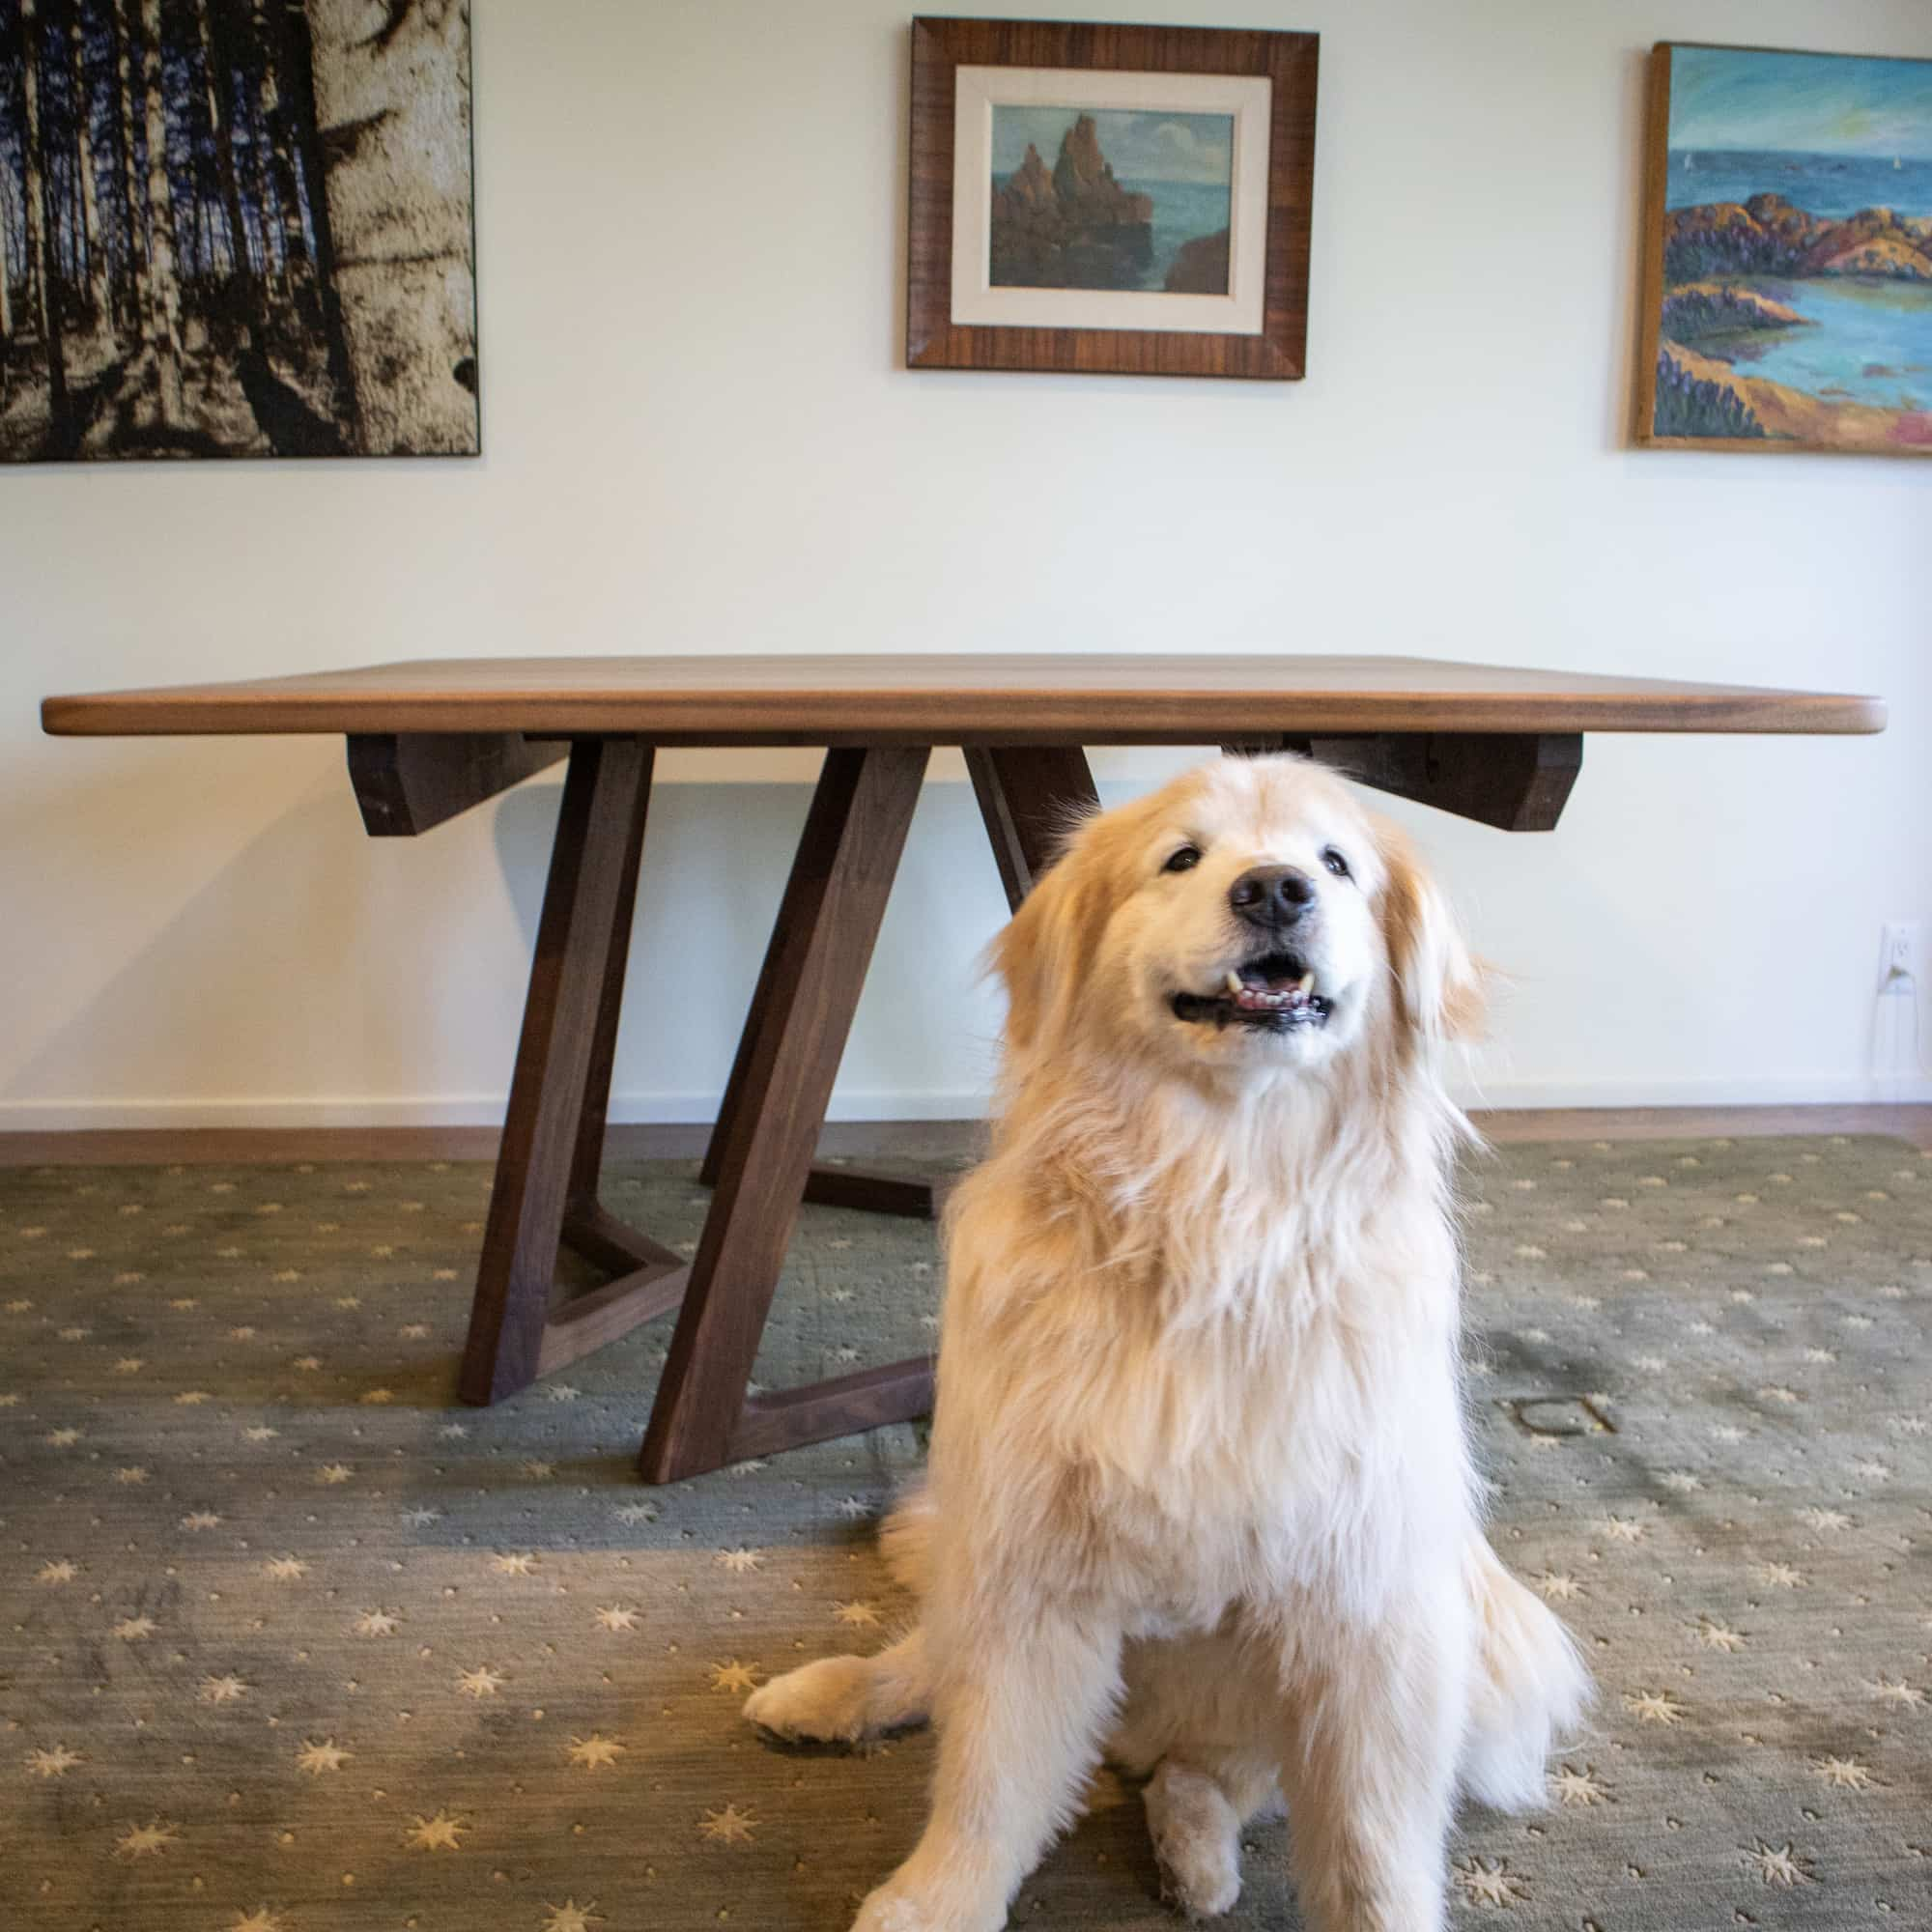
{"x":883,"y":700}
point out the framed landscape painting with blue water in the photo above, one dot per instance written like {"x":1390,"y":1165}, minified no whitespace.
{"x":1110,"y":198}
{"x":1788,"y":265}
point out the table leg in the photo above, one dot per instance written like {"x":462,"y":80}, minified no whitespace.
{"x":787,"y":1060}
{"x":1028,"y":796}
{"x":546,"y":1187}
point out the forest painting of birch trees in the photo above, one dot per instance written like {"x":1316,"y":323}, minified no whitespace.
{"x":236,"y":228}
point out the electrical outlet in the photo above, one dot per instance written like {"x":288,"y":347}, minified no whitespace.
{"x":1899,"y":956}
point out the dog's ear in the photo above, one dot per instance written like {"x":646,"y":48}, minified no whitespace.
{"x":1048,"y":947}
{"x":1439,"y":986}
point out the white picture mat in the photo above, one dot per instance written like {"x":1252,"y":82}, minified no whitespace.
{"x":976,"y":303}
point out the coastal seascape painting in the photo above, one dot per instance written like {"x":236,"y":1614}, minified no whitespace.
{"x":1138,"y":201}
{"x":1110,"y":198}
{"x":1788,"y":299}
{"x":236,"y":228}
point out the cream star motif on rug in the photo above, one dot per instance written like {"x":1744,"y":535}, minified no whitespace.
{"x":560,"y":1392}
{"x":737,"y":1561}
{"x":318,"y":1757}
{"x":413,"y":1331}
{"x":421,"y":1516}
{"x":1488,"y":1881}
{"x":514,"y":1565}
{"x":376,"y":1398}
{"x":61,"y":1569}
{"x":201,"y":1520}
{"x":482,"y":1682}
{"x":735,"y":1676}
{"x":261,"y":1919}
{"x":616,"y":1617}
{"x":635,"y":1512}
{"x":131,"y":1629}
{"x":854,"y":1508}
{"x":61,"y":1438}
{"x":1578,"y":1787}
{"x":730,"y":1825}
{"x":227,"y":1689}
{"x":595,"y":1752}
{"x":1558,"y":1586}
{"x":1715,"y":1635}
{"x":307,"y":1364}
{"x":441,"y":1833}
{"x":1781,"y":1867}
{"x":1682,"y":1481}
{"x":1842,"y":1774}
{"x":285,"y":1569}
{"x":260,"y":1432}
{"x":130,"y":1365}
{"x":132,"y":1476}
{"x":140,"y":1841}
{"x":242,"y":1332}
{"x":860,"y":1615}
{"x":1885,"y":1692}
{"x":378,"y":1623}
{"x":1872,"y":1469}
{"x":54,"y":1762}
{"x":570,"y":1916}
{"x":332,"y":1475}
{"x":1654,"y":1707}
{"x":1623,"y":1529}
{"x":1779,"y":1576}
{"x":1824,"y":1521}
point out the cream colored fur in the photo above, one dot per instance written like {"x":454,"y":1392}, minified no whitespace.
{"x":1199,"y":1493}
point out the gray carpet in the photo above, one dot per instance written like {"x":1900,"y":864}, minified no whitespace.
{"x":290,"y":1642}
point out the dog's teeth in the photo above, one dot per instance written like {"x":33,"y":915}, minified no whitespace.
{"x":1233,"y":982}
{"x":1306,"y":983}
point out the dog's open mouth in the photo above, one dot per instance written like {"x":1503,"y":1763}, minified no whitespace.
{"x":1273,"y":992}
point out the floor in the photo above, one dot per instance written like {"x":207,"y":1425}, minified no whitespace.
{"x":289,"y":1642}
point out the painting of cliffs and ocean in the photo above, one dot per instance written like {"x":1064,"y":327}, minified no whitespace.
{"x":1790,"y":287}
{"x":1130,"y":201}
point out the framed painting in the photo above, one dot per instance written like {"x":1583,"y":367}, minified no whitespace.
{"x":1787,"y":284}
{"x":1114,"y":199}
{"x":235,"y":228}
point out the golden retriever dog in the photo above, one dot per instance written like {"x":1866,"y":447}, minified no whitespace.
{"x":1200,"y":1495}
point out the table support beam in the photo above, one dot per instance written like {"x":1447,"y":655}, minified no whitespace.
{"x":406,"y":781}
{"x":1517,"y":781}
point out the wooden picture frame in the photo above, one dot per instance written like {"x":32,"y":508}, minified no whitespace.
{"x":1263,"y":84}
{"x":1753,"y":252}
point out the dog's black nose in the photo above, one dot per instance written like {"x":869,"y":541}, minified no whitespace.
{"x":1272,"y":897}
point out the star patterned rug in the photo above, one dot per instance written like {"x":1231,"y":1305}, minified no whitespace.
{"x":292,"y":1642}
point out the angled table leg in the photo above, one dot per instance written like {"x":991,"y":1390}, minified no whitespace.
{"x":1029,"y":796}
{"x":807,"y":996}
{"x":545,"y":1191}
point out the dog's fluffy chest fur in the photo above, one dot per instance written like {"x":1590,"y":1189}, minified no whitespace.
{"x":1239,"y":1385}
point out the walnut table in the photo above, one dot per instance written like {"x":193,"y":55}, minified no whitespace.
{"x":429,"y":740}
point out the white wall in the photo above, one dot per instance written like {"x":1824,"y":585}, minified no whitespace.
{"x":699,"y":438}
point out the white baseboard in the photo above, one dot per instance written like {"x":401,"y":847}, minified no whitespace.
{"x":486,"y":1110}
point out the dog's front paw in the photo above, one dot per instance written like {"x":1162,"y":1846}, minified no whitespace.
{"x":823,"y":1703}
{"x":899,"y":1907}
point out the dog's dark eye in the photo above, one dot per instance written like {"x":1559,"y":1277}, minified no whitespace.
{"x":1335,"y":863}
{"x":1183,"y":860}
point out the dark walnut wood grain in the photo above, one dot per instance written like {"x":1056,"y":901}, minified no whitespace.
{"x":1078,"y":699}
{"x":1288,"y":61}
